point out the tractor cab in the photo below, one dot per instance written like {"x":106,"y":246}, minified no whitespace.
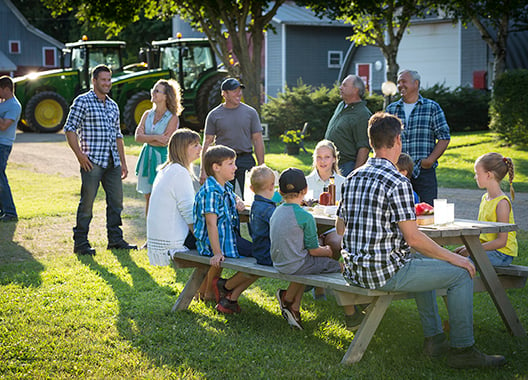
{"x":85,"y":55}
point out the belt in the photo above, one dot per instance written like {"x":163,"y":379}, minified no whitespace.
{"x":240,"y":154}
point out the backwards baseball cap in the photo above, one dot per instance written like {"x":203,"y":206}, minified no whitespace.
{"x":231,"y":84}
{"x":292,"y":180}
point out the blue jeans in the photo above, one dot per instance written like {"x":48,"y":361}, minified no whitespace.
{"x":346,"y":167}
{"x":7,"y":206}
{"x":422,"y":275}
{"x":499,"y":259}
{"x":425,"y":185}
{"x":110,"y":178}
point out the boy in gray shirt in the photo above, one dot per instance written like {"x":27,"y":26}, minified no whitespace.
{"x":295,"y":245}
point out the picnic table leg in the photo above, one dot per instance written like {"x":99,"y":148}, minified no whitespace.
{"x":493,"y":286}
{"x":192,"y":286}
{"x":367,"y":329}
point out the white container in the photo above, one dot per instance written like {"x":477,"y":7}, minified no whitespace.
{"x":450,"y":213}
{"x":440,"y":211}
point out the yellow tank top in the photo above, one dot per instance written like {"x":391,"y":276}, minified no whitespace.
{"x":487,"y":213}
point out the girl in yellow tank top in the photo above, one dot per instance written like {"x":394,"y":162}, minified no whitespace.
{"x":495,"y":206}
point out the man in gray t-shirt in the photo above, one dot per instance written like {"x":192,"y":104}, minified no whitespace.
{"x":236,"y":125}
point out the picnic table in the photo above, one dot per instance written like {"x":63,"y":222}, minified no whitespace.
{"x":466,"y":232}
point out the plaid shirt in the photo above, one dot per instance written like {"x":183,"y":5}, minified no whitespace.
{"x":426,"y":125}
{"x":212,"y":198}
{"x":97,"y":124}
{"x":375,"y":198}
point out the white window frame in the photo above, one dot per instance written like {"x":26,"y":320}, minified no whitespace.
{"x":11,"y":42}
{"x":332,"y":56}
{"x":46,"y":48}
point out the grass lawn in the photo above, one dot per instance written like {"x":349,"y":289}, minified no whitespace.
{"x":455,"y":167}
{"x":109,"y":316}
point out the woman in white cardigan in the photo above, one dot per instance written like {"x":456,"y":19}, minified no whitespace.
{"x":170,"y":216}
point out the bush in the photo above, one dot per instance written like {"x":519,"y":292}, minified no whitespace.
{"x":466,"y":109}
{"x":304,"y":103}
{"x":508,"y":110}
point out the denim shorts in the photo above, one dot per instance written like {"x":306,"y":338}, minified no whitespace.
{"x":499,"y":259}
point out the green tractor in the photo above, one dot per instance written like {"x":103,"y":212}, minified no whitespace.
{"x":191,"y":62}
{"x":45,"y":96}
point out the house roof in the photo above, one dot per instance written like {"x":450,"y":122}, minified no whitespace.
{"x":31,"y":28}
{"x":6,"y":64}
{"x":291,"y":14}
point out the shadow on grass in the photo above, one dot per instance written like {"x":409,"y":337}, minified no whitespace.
{"x":200,"y":340}
{"x":18,"y":264}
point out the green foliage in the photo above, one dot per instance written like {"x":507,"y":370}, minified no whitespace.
{"x":466,"y":109}
{"x":304,"y":103}
{"x":508,"y":110}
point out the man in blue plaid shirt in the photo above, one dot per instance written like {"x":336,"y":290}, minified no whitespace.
{"x":425,"y":136}
{"x":377,"y":219}
{"x":94,"y":122}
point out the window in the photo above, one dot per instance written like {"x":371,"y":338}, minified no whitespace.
{"x":14,"y":47}
{"x":48,"y":57}
{"x":335,"y":59}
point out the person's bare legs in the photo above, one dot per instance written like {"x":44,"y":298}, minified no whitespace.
{"x":206,"y":291}
{"x":294,"y":295}
{"x":147,"y":201}
{"x":238,"y":283}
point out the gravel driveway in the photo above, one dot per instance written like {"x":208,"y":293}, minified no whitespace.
{"x":49,"y":153}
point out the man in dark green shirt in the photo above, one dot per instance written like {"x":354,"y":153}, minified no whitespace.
{"x":347,"y":128}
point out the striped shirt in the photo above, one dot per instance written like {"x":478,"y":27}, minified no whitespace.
{"x":426,"y":125}
{"x":97,"y":124}
{"x":213,"y":198}
{"x":375,"y":198}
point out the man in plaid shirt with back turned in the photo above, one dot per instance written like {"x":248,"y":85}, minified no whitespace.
{"x":425,"y":136}
{"x":94,"y":122}
{"x":377,"y":218}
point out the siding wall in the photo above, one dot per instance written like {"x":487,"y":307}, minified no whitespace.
{"x":31,"y":53}
{"x":434,"y":51}
{"x":306,"y":55}
{"x":273,"y":66}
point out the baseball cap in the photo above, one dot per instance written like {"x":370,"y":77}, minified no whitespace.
{"x":231,"y":84}
{"x":292,"y":180}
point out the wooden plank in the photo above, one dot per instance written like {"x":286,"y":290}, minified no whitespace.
{"x":192,"y":286}
{"x":493,"y":285}
{"x":513,"y":270}
{"x":366,"y":330}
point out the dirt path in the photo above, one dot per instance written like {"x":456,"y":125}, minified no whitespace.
{"x":49,"y":153}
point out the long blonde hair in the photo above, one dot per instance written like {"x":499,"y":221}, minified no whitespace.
{"x":498,"y":165}
{"x":330,"y":145}
{"x":178,"y":144}
{"x":173,"y":93}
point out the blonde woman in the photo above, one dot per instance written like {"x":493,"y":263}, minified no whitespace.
{"x":170,"y":218}
{"x":154,"y":130}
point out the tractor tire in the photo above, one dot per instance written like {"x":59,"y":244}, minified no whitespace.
{"x":24,"y":127}
{"x":135,"y":107}
{"x":46,"y":112}
{"x":209,"y":96}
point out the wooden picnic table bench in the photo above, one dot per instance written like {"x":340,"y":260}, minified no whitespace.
{"x":513,"y":276}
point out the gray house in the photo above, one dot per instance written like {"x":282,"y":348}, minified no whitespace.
{"x":303,"y":46}
{"x":442,"y":52}
{"x":24,"y":48}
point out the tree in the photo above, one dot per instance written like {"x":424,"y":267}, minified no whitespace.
{"x":494,"y":19}
{"x":375,"y":22}
{"x":224,"y":22}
